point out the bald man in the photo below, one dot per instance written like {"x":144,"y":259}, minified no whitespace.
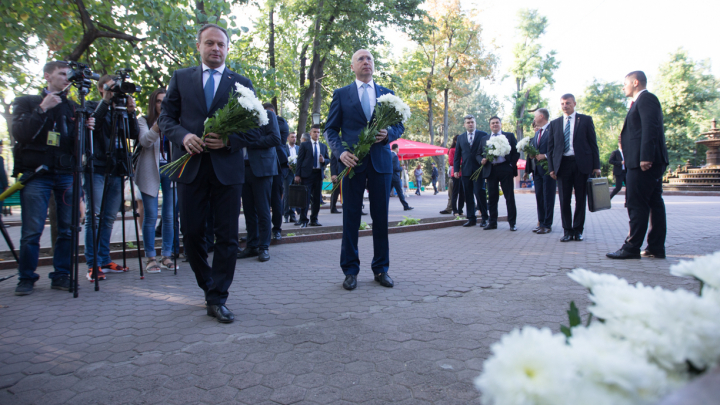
{"x":351,"y":110}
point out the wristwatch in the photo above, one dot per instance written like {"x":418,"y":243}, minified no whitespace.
{"x":40,"y":111}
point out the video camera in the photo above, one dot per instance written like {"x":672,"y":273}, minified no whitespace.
{"x":80,"y":75}
{"x":122,"y":85}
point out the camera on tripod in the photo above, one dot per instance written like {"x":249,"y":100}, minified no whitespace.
{"x":122,"y":86}
{"x":80,"y":75}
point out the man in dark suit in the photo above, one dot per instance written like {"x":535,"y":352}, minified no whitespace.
{"x":501,"y":171}
{"x":215,"y":176}
{"x":619,"y":170}
{"x":545,"y":186}
{"x":572,"y":156}
{"x":260,"y":169}
{"x":396,"y":181}
{"x":311,"y":162}
{"x":646,"y":158}
{"x":334,"y":172}
{"x":351,"y":109}
{"x":466,"y":152}
{"x":276,"y":193}
{"x":291,"y":150}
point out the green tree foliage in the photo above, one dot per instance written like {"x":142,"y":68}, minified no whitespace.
{"x":532,"y":68}
{"x":686,"y":88}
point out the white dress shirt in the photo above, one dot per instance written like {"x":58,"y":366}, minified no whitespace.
{"x":638,"y":95}
{"x":217,"y":76}
{"x":371,"y":93}
{"x":292,"y":151}
{"x":498,"y":159}
{"x":573,"y":117}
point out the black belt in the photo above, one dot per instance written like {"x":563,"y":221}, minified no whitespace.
{"x":318,"y":169}
{"x":572,"y":157}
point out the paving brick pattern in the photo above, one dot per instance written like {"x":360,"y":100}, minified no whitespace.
{"x":300,"y":338}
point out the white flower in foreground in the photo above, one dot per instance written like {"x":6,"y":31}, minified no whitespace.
{"x":705,"y":268}
{"x":528,"y":367}
{"x":612,"y":371}
{"x":523,"y":143}
{"x":588,"y":279}
{"x":244,"y":91}
{"x":498,"y":146}
{"x":397,"y":103}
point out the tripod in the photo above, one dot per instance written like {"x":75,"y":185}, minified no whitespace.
{"x":81,"y":158}
{"x":176,"y":227}
{"x":118,"y":144}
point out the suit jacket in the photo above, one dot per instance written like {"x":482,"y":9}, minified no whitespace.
{"x":643,"y":136}
{"x":334,"y":169}
{"x":616,"y":159}
{"x":465,"y":153}
{"x":281,"y":149}
{"x":184,"y":112}
{"x":346,"y":117}
{"x":541,"y":146}
{"x":511,"y":157}
{"x":397,"y":169}
{"x":584,"y":142}
{"x":305,"y":158}
{"x":262,"y":152}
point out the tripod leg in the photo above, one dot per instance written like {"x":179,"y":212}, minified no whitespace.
{"x":8,"y":240}
{"x":137,"y":233}
{"x":176,"y":232}
{"x":122,"y":214}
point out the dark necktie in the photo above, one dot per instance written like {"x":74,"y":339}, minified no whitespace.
{"x":471,"y":137}
{"x":315,"y":155}
{"x":567,"y":135}
{"x":210,"y":89}
{"x":539,"y":135}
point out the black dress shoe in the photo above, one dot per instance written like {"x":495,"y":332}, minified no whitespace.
{"x":579,"y":237}
{"x":297,"y":223}
{"x":484,"y":223}
{"x":350,"y":282}
{"x":650,"y":253}
{"x":363,"y":213}
{"x":566,"y":238}
{"x":304,"y":225}
{"x":543,"y":231}
{"x":242,"y":239}
{"x":445,"y":212}
{"x":315,"y":223}
{"x":623,"y":254}
{"x":489,"y":227}
{"x":335,"y":211}
{"x":247,"y":252}
{"x":537,"y":229}
{"x":513,"y":228}
{"x":221,"y":312}
{"x":277,"y":235}
{"x":263,"y":255}
{"x":408,"y":208}
{"x":470,"y":223}
{"x":384,"y":280}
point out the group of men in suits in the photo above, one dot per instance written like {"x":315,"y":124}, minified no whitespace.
{"x":311,"y":161}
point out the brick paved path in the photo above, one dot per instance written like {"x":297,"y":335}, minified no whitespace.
{"x":300,"y":338}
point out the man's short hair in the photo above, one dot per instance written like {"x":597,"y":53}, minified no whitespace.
{"x":639,"y":75}
{"x":50,"y":67}
{"x":395,"y":146}
{"x":544,"y":112}
{"x":269,"y":106}
{"x":315,"y":126}
{"x":567,"y":96}
{"x":206,"y":26}
{"x":495,"y":117}
{"x":103,"y":79}
{"x":305,"y":136}
{"x":469,"y":117}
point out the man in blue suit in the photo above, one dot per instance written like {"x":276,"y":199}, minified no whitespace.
{"x":465,"y":162}
{"x":311,"y":162}
{"x":260,"y":169}
{"x":396,"y":178}
{"x":215,"y":176}
{"x":545,"y":186}
{"x":350,"y":112}
{"x":291,"y":150}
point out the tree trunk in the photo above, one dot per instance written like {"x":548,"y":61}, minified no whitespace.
{"x":306,"y":96}
{"x":271,"y":49}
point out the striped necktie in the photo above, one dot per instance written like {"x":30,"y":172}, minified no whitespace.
{"x":567,"y":135}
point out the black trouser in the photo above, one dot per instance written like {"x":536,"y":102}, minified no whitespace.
{"x":276,"y":202}
{"x":475,"y":189}
{"x":209,"y":229}
{"x":397,"y":185}
{"x":334,"y":197}
{"x":288,"y":179}
{"x":645,"y":204}
{"x":194,"y":200}
{"x":569,"y":178}
{"x":256,"y":207}
{"x":458,"y":196}
{"x":619,"y":180}
{"x":314,"y":186}
{"x":501,"y":174}
{"x":545,"y":189}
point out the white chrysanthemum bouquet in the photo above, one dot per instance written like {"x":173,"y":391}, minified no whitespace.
{"x":527,"y":147}
{"x":242,"y":112}
{"x":292,"y":163}
{"x":648,"y":342}
{"x":495,"y":146}
{"x":389,"y":110}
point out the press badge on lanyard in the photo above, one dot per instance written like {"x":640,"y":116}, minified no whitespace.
{"x":53,"y":138}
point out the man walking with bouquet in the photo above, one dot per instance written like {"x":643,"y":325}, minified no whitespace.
{"x":352,"y":109}
{"x":214,"y":174}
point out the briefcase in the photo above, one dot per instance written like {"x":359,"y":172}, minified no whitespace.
{"x":598,"y":193}
{"x":297,"y":196}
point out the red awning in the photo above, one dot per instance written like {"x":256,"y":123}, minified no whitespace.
{"x":414,"y":150}
{"x":521,"y":164}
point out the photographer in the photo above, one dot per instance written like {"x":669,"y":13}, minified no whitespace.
{"x":117,"y":168}
{"x":44,"y":127}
